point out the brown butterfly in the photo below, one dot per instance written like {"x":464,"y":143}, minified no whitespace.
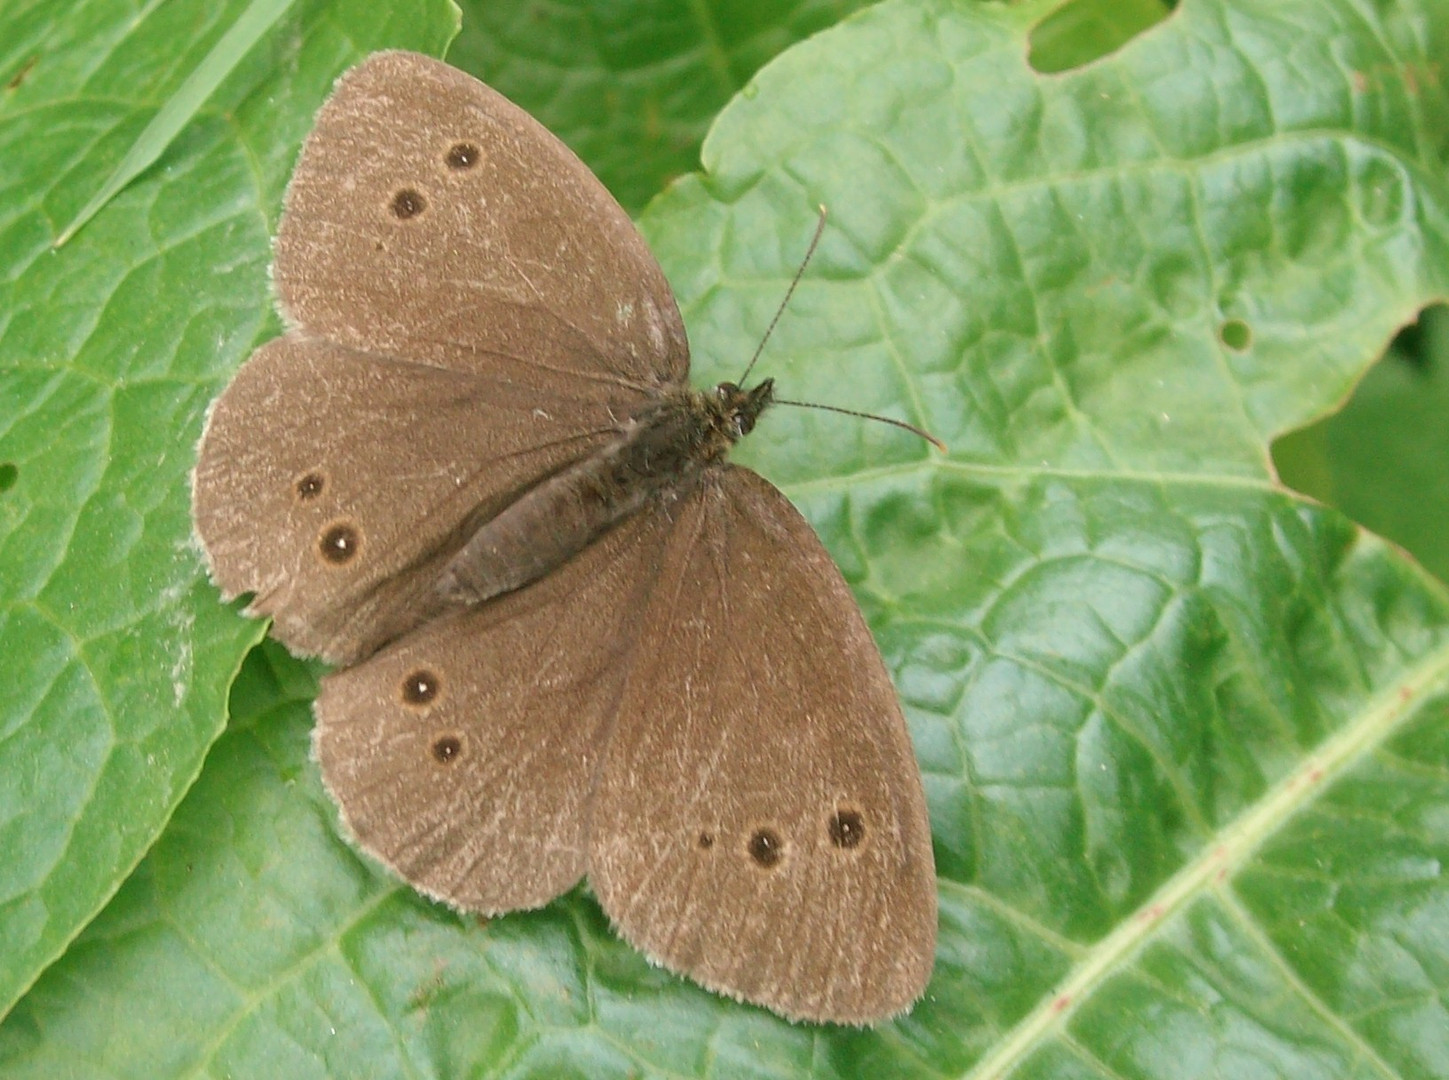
{"x":573,"y":640}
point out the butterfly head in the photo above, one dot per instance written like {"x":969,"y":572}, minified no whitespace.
{"x":738,"y":408}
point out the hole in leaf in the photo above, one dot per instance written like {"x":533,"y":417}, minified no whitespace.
{"x":1079,"y":32}
{"x":1236,"y":335}
{"x":1379,"y":458}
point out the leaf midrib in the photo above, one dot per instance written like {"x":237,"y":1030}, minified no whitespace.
{"x":838,"y":482}
{"x":1220,"y":859}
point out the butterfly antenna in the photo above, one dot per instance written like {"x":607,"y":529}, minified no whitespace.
{"x":937,"y":443}
{"x":814,"y":243}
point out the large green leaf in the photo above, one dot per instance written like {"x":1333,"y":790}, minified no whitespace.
{"x":631,"y":86}
{"x":117,"y":655}
{"x":1185,"y":735}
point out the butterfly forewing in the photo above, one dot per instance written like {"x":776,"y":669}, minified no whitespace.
{"x":461,"y":756}
{"x":331,"y":482}
{"x":431,"y":217}
{"x":475,"y":312}
{"x":758,"y":821}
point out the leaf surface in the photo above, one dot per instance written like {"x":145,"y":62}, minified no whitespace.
{"x":118,"y":656}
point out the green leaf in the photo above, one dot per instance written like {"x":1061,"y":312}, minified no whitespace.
{"x":631,"y":86}
{"x":183,"y":105}
{"x":117,"y":655}
{"x":1185,"y":734}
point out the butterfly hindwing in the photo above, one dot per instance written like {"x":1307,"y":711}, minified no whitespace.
{"x":758,"y":821}
{"x":461,"y":756}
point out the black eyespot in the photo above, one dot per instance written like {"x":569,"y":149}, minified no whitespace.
{"x":408,"y":203}
{"x":9,"y":473}
{"x":420,"y":687}
{"x":846,"y":828}
{"x":310,"y":486}
{"x":339,"y":543}
{"x":706,"y":840}
{"x":463,"y":156}
{"x":446,"y":749}
{"x":766,"y":848}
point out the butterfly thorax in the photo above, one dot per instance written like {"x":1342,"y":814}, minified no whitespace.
{"x":661,"y":454}
{"x":713,"y":420}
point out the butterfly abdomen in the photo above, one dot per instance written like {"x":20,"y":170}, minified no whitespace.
{"x":659,"y":455}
